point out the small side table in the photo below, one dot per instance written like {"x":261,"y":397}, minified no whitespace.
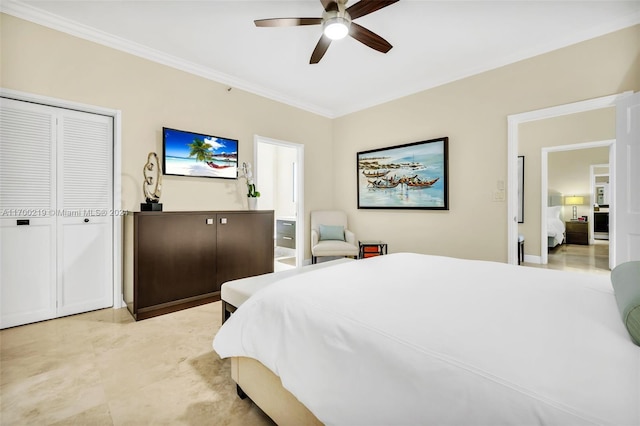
{"x":371,"y":248}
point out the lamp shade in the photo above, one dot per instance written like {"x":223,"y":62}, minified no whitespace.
{"x":573,"y":201}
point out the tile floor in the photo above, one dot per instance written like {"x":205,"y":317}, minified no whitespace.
{"x":593,"y":258}
{"x":103,"y":368}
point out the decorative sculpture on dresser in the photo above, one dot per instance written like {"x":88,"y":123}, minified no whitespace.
{"x":152,"y":184}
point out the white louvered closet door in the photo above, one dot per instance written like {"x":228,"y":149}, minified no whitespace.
{"x":27,"y":229}
{"x":56,"y":223}
{"x":85,"y":225}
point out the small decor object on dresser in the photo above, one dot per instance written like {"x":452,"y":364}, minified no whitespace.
{"x":152,"y":184}
{"x":252,"y":193}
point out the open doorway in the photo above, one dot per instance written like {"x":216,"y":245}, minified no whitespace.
{"x":569,"y":184}
{"x":514,"y":129}
{"x":279,"y":175}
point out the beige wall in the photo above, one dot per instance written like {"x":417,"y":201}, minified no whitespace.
{"x":570,"y":174}
{"x":473,"y":114}
{"x":45,"y":62}
{"x":592,"y":126}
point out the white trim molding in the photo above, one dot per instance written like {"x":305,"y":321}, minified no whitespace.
{"x":299,"y":189}
{"x":544,"y":186}
{"x":33,"y":14}
{"x":513,"y":123}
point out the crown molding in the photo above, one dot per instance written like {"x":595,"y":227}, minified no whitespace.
{"x":24,"y":11}
{"x":41,"y":17}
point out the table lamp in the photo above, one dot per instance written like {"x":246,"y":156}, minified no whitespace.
{"x":575,"y":202}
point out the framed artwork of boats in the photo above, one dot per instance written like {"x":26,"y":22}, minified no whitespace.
{"x":409,"y":176}
{"x":197,"y":154}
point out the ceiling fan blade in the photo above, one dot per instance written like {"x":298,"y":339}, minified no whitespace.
{"x":320,"y":50}
{"x":365,"y":7}
{"x":329,"y":5}
{"x":369,"y":38}
{"x":287,"y":22}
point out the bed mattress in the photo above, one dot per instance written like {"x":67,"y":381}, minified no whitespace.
{"x":417,"y":339}
{"x":237,"y":292}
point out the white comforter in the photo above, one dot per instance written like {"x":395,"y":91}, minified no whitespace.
{"x":555,"y":228}
{"x":408,"y":339}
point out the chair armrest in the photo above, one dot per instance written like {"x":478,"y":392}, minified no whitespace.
{"x":314,"y":237}
{"x":350,"y":237}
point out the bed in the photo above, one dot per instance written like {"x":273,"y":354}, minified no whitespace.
{"x":416,"y":339}
{"x":555,"y":226}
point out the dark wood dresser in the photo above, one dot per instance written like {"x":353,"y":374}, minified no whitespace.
{"x":182,"y":258}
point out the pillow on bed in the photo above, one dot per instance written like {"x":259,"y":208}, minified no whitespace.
{"x":328,"y":232}
{"x":554,"y":211}
{"x":626,"y":285}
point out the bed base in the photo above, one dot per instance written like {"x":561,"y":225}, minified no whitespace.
{"x":265,"y":389}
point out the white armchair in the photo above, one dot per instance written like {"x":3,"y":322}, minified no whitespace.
{"x":330,"y":236}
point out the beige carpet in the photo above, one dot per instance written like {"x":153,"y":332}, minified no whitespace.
{"x":103,"y":368}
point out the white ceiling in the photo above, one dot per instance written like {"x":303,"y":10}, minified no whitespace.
{"x":435,"y":42}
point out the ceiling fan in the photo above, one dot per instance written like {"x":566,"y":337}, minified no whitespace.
{"x":337,"y":23}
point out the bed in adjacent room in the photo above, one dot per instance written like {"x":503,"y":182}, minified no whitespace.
{"x":555,"y":226}
{"x":417,"y":339}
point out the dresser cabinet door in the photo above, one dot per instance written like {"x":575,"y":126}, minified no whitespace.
{"x":245,"y":244}
{"x":176,"y":257}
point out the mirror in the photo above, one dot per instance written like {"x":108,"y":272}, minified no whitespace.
{"x":601,"y":187}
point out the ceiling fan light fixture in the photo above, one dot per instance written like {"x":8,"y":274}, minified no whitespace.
{"x":336,"y":28}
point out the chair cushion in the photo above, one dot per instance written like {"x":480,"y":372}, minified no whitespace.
{"x":334,"y":248}
{"x":331,"y":232}
{"x":626,"y":285}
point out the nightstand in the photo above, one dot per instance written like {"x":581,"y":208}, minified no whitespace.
{"x":577,"y":232}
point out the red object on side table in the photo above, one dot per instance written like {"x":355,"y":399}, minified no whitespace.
{"x":371,"y":249}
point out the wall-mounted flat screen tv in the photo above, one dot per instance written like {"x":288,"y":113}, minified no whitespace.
{"x":197,"y":154}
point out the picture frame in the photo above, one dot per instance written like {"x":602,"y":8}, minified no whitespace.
{"x":409,"y":176}
{"x":521,"y":189}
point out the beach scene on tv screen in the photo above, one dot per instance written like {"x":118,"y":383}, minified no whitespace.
{"x":193,"y":154}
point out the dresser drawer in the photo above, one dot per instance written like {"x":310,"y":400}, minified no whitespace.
{"x":286,"y":227}
{"x":285,"y":241}
{"x":286,"y":233}
{"x":577,"y":232}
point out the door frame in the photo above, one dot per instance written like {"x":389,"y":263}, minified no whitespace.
{"x":513,"y":129}
{"x":592,"y":181}
{"x":544,"y":187}
{"x":298,"y":190}
{"x":116,"y":115}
